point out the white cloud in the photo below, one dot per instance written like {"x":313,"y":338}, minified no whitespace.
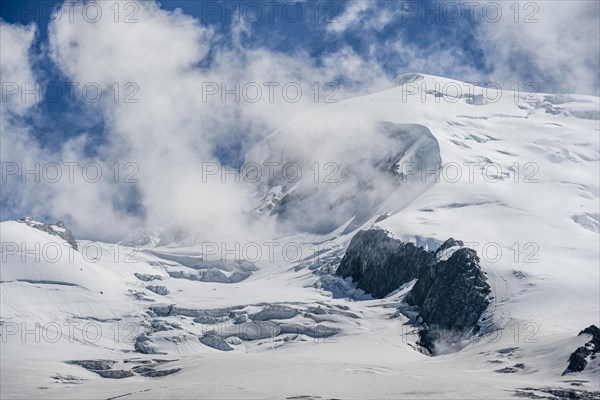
{"x":17,"y":143}
{"x":351,"y":16}
{"x":560,"y":51}
{"x":172,"y":131}
{"x":15,"y":69}
{"x":29,"y":186}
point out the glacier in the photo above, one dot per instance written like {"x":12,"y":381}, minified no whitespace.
{"x":514,"y":176}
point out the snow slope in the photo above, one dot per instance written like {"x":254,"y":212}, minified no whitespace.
{"x":516,"y":178}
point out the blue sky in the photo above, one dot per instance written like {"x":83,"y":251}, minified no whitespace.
{"x":275,"y":26}
{"x":427,"y":26}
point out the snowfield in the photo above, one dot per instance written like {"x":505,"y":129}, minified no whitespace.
{"x":515,"y":176}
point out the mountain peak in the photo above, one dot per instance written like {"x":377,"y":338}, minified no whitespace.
{"x":57,"y":229}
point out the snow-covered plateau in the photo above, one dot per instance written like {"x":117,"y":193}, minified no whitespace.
{"x":513,"y":176}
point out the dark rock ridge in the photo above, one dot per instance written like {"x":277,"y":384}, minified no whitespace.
{"x":451,"y":290}
{"x":58,"y":229}
{"x":380,"y":264}
{"x":452,"y":294}
{"x":579,"y":359}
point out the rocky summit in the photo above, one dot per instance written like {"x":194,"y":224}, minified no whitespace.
{"x":580,"y":358}
{"x":451,"y":290}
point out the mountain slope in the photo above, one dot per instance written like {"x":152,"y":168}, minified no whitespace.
{"x":518,"y":176}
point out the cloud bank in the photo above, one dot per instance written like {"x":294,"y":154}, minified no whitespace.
{"x":188,"y":98}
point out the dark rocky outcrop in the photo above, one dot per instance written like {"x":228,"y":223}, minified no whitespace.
{"x":380,"y":264}
{"x":579,"y":359}
{"x":448,"y":244}
{"x":452,"y":294}
{"x":451,"y":291}
{"x":58,"y":229}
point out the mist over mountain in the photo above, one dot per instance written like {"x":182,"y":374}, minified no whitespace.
{"x":217,"y":213}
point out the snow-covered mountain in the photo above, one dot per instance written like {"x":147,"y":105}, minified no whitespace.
{"x":513,"y":176}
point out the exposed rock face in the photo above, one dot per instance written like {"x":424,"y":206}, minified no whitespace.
{"x":380,"y":264}
{"x":452,"y":294}
{"x":446,"y":248}
{"x":451,"y":290}
{"x":58,"y":229}
{"x":579,"y":359}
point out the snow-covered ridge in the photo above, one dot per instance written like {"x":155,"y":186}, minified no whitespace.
{"x":516,"y":179}
{"x":57,"y":229}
